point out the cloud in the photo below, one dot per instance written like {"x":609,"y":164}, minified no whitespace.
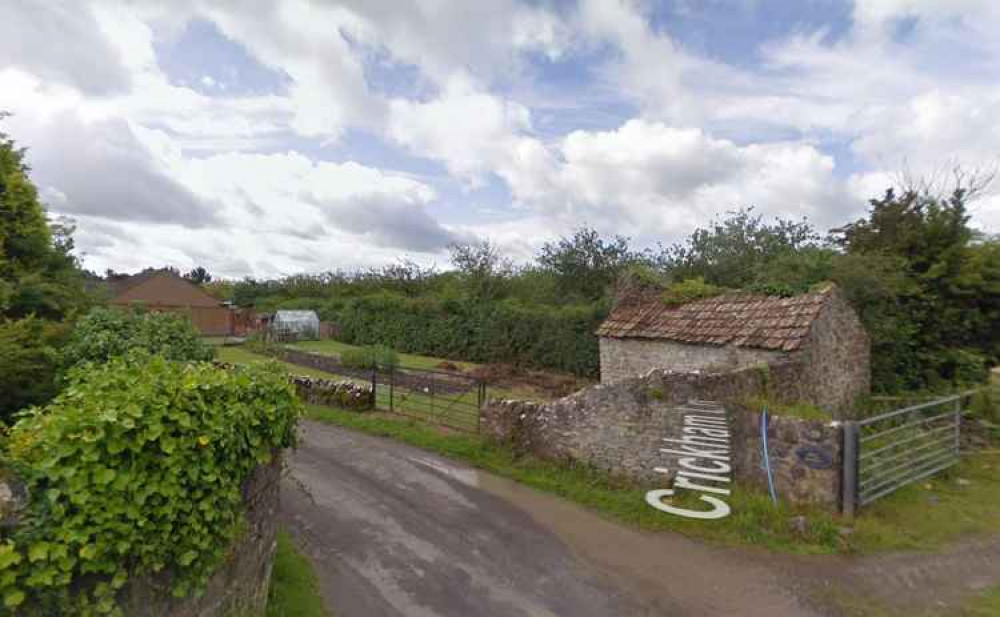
{"x":647,"y":178}
{"x":466,"y":128}
{"x":101,"y":169}
{"x":61,"y":42}
{"x":391,"y":221}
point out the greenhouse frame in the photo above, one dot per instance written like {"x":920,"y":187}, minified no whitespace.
{"x":293,"y":325}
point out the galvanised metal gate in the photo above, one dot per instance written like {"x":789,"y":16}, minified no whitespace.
{"x":884,"y":453}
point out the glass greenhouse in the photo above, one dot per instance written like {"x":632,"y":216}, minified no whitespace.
{"x":295,"y":325}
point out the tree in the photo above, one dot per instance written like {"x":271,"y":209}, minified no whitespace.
{"x":199,"y":276}
{"x":730,"y":252}
{"x":484,"y":269}
{"x":586,"y":264}
{"x":38,"y":274}
{"x":948,"y":312}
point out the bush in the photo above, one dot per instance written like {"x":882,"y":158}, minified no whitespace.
{"x":29,"y":363}
{"x":369,"y":357}
{"x":530,"y":336}
{"x":136,"y":468}
{"x":107,"y":333}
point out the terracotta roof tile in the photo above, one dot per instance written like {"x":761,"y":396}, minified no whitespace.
{"x":741,"y":319}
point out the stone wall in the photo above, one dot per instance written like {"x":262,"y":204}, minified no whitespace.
{"x":619,"y":428}
{"x":630,"y":357}
{"x":837,"y":358}
{"x":240,"y":586}
{"x":805,"y":455}
{"x":342,"y":393}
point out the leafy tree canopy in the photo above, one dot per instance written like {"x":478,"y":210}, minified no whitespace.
{"x":731,"y":250}
{"x":198,"y":276}
{"x":586,"y":264}
{"x":38,"y":274}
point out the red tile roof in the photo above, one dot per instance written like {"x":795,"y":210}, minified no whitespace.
{"x":742,"y":319}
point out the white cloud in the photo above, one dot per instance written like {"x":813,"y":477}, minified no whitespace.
{"x":466,"y":128}
{"x":60,"y":41}
{"x":108,"y":173}
{"x":647,"y":178}
{"x":911,"y":82}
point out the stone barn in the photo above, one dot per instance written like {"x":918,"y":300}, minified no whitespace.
{"x":817,"y":331}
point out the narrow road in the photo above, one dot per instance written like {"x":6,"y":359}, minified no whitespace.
{"x":395,"y":531}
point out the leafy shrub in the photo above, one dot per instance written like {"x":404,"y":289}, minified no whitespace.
{"x":28,"y":364}
{"x":105,"y":333}
{"x":507,"y":332}
{"x":371,"y":356}
{"x":137,"y":468}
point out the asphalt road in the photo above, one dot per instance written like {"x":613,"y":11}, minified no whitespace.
{"x":395,"y":531}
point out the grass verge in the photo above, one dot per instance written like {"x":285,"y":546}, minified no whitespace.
{"x":293,"y":591}
{"x":924,"y":517}
{"x":962,"y":501}
{"x":985,"y":604}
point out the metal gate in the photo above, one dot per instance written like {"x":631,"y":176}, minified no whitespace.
{"x":884,"y":453}
{"x":439,"y":397}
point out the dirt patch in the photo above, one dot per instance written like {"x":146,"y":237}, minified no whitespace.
{"x":448,"y":366}
{"x":544,"y":384}
{"x":905,"y":583}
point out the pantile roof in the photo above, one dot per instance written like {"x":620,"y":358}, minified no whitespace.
{"x":742,"y":319}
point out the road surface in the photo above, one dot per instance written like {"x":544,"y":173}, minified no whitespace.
{"x":394,"y":531}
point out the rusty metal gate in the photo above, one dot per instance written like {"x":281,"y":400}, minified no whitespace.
{"x":445,"y":398}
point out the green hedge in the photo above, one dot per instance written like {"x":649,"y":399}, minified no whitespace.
{"x":136,"y":468}
{"x":106,"y":333}
{"x":560,"y":338}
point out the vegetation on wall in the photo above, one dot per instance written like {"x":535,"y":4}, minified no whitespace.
{"x":135,"y":470}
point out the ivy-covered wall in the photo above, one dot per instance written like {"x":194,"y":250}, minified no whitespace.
{"x":143,"y":483}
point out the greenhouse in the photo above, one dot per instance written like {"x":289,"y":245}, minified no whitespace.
{"x":293,"y":325}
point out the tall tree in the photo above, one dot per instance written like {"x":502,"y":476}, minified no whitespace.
{"x":38,"y":273}
{"x":949,"y":311}
{"x":199,"y":276}
{"x":731,"y":251}
{"x":586,"y":264}
{"x":485,"y":270}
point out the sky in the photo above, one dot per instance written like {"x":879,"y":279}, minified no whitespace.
{"x":265,"y":138}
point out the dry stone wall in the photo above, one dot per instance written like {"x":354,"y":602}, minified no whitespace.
{"x":619,"y":428}
{"x":805,"y":455}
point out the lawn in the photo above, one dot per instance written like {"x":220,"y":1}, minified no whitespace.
{"x":239,"y":355}
{"x":915,"y":518}
{"x":293,"y":591}
{"x":406,"y":360}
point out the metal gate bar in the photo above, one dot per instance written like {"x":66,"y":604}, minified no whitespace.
{"x":887,"y":452}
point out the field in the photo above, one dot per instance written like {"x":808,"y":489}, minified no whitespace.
{"x":406,"y":360}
